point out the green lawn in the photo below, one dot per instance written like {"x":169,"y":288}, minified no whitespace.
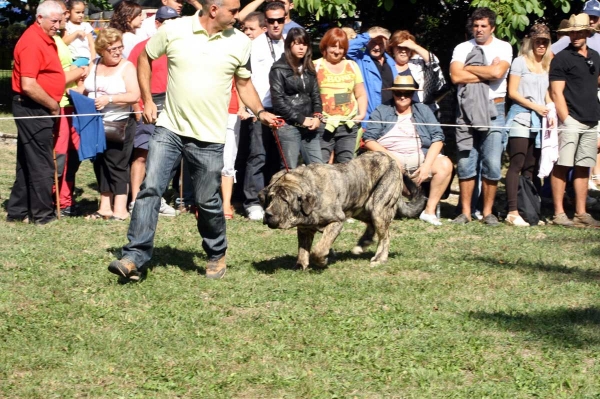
{"x":457,"y":312}
{"x":7,"y":125}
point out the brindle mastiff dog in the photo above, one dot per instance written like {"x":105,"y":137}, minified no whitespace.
{"x":320,"y":197}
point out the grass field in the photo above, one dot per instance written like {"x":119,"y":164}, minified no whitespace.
{"x":7,"y":125}
{"x":457,"y":312}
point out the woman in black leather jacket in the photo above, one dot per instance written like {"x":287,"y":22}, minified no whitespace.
{"x":297,"y":100}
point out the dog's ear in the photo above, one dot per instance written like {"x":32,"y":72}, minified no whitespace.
{"x":307,"y":203}
{"x":262,"y":197}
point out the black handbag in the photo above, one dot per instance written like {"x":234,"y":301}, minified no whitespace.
{"x":114,"y":131}
{"x":434,"y":83}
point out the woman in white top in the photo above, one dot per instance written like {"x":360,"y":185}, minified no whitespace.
{"x":127,"y":18}
{"x":113,"y":84}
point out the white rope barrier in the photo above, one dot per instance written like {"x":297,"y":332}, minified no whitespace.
{"x":5,"y":118}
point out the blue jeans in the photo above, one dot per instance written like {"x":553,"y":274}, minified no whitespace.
{"x":263,"y":162}
{"x":205,"y":162}
{"x":486,"y":155}
{"x":295,"y":141}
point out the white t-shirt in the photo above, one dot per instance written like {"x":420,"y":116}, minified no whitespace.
{"x":261,"y":61}
{"x":497,"y":48}
{"x":80,"y":48}
{"x":129,"y":41}
{"x":148,"y":28}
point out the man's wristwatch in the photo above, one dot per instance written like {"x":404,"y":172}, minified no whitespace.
{"x":259,"y":112}
{"x":110,"y":99}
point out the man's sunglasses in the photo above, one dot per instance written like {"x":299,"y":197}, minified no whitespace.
{"x":402,"y":93}
{"x":280,"y":21}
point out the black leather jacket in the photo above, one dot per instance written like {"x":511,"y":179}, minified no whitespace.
{"x":294,"y":98}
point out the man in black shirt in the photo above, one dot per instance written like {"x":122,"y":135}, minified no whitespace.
{"x":573,"y":86}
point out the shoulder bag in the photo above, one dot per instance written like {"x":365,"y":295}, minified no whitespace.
{"x":113,"y":130}
{"x":434,"y":83}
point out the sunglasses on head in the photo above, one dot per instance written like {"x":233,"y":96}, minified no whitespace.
{"x":280,"y":21}
{"x":403,"y":93}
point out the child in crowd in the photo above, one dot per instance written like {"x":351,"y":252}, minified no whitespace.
{"x":78,"y":35}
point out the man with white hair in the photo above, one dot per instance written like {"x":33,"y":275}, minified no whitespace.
{"x":38,"y":80}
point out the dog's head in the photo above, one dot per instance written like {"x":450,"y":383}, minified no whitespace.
{"x":287,"y":202}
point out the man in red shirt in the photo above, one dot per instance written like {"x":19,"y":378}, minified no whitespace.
{"x":39,"y":82}
{"x":158,"y":86}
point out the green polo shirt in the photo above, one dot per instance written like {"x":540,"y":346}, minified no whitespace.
{"x":200,"y":71}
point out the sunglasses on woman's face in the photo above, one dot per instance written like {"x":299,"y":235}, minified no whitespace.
{"x":402,"y":93}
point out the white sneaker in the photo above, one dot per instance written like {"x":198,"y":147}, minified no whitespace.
{"x":430,"y":219}
{"x":255,"y":213}
{"x":166,"y":209}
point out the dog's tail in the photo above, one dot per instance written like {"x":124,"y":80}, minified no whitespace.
{"x":415,"y":206}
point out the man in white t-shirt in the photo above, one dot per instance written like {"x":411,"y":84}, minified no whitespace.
{"x":263,"y":159}
{"x":487,"y":145}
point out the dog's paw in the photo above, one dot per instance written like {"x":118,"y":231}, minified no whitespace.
{"x":318,"y":261}
{"x":357,"y":250}
{"x":300,"y":267}
{"x":375,"y":261}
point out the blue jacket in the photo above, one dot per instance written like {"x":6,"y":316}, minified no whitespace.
{"x":90,"y":128}
{"x":429,"y":134}
{"x":358,"y":53}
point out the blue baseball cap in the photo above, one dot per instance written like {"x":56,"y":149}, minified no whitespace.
{"x":592,"y":7}
{"x":165,"y":13}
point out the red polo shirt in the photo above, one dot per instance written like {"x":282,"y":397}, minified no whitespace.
{"x":158,"y":82}
{"x":36,"y":56}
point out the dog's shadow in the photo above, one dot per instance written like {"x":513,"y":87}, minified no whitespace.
{"x":288,"y":262}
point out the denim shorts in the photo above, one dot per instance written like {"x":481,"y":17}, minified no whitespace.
{"x":486,"y":152}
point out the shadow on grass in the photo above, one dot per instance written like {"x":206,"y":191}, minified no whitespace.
{"x":170,"y":256}
{"x":527,"y":266}
{"x":288,"y":262}
{"x":563,"y":326}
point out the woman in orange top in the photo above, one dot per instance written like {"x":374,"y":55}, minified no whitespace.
{"x":343,"y":95}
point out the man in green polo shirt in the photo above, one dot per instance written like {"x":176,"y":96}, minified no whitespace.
{"x":204,"y":53}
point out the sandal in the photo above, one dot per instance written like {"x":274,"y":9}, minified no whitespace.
{"x":516,"y":220}
{"x":113,"y":217}
{"x":97,"y":216}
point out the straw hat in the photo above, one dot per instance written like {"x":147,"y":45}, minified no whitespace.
{"x":578,"y":23}
{"x":404,"y":82}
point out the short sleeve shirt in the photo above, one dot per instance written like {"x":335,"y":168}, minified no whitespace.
{"x":80,"y":47}
{"x":200,"y":72}
{"x":581,"y":82}
{"x":497,"y":48}
{"x":36,"y":56}
{"x":532,"y":86}
{"x":337,"y":89}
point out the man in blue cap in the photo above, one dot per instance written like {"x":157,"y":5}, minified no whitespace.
{"x":591,"y":8}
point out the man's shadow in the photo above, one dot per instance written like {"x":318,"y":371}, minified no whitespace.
{"x":169,"y":256}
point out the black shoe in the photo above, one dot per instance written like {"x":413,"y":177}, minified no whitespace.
{"x":461,"y":219}
{"x":69,"y":211}
{"x":45,"y":221}
{"x":490,"y":220}
{"x":11,"y":219}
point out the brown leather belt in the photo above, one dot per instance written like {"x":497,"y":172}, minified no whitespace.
{"x":499,"y":100}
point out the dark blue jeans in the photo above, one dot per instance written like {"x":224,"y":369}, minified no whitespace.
{"x":205,"y":161}
{"x":262,"y":164}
